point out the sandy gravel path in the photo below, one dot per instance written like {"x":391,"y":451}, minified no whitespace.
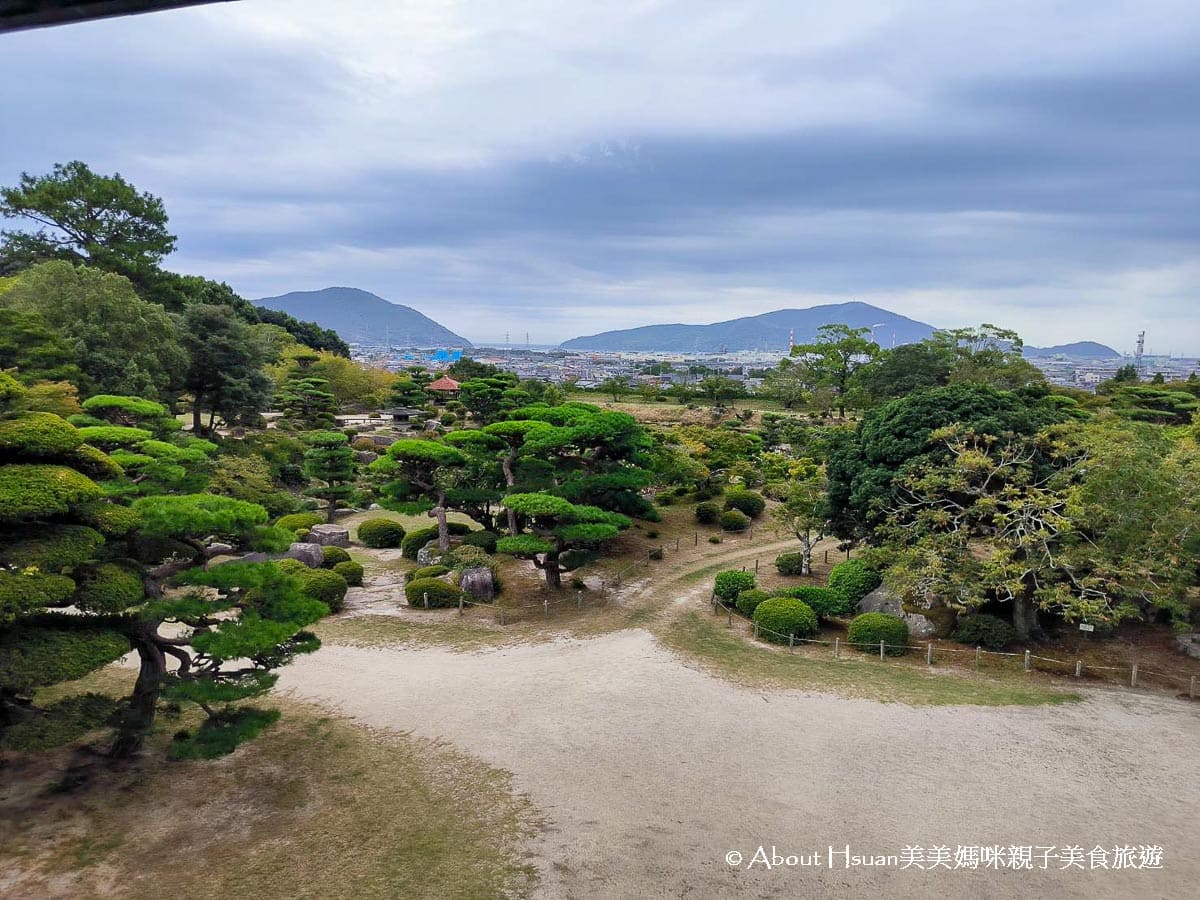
{"x":649,"y":771}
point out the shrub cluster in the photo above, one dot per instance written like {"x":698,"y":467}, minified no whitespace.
{"x":985,"y":631}
{"x":748,"y":502}
{"x":730,"y":583}
{"x":485,"y":540}
{"x":748,"y":601}
{"x":332,"y":556}
{"x":380,"y":533}
{"x":327,"y":586}
{"x":439,"y":593}
{"x":708,"y":512}
{"x":428,"y":572}
{"x":790,"y":563}
{"x":419,"y":537}
{"x":780,"y":617}
{"x":825,"y":602}
{"x":298,"y":522}
{"x":734,"y":520}
{"x":291,"y":566}
{"x":867,"y":630}
{"x":351,"y":571}
{"x":855,"y":579}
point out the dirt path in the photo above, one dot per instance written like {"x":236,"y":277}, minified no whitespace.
{"x":651,"y":771}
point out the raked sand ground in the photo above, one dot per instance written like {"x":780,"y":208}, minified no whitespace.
{"x":650,"y":771}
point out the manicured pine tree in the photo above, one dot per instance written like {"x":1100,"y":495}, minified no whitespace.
{"x":556,"y":526}
{"x":329,"y":461}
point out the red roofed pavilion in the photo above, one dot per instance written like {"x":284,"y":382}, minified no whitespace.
{"x":445,"y":387}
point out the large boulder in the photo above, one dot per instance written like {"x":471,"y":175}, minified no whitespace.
{"x":479,"y":583}
{"x":330,"y":535}
{"x":366,"y":456}
{"x":1190,"y":644}
{"x":312,"y":555}
{"x":429,"y":555}
{"x":884,"y":601}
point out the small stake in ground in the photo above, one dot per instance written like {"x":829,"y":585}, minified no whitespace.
{"x":791,"y":642}
{"x":1133,"y":676}
{"x":881,"y":649}
{"x":756,"y":631}
{"x":837,"y":648}
{"x":1079,"y":668}
{"x":427,"y":600}
{"x":1026,"y":660}
{"x":1192,"y":688}
{"x":929,"y":653}
{"x":460,"y":604}
{"x":977,"y":659}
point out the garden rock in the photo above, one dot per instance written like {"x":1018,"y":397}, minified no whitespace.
{"x":479,"y":583}
{"x":1190,"y":644}
{"x":366,"y":456}
{"x":312,"y":555}
{"x":884,"y":601}
{"x":330,"y":535}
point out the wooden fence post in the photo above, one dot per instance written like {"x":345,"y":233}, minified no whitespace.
{"x":756,"y":631}
{"x":579,"y":599}
{"x":676,"y":545}
{"x":500,"y":612}
{"x":1026,"y":660}
{"x":929,"y":653}
{"x":545,"y":607}
{"x":1133,"y":676}
{"x":1192,"y":688}
{"x":729,"y":609}
{"x":837,"y":648}
{"x":1079,"y":668}
{"x":427,"y":599}
{"x":460,"y":603}
{"x":791,"y":642}
{"x":695,"y":539}
{"x":756,"y":567}
{"x":881,"y":649}
{"x":976,"y":657}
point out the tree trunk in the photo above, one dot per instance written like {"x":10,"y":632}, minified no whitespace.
{"x":439,"y":513}
{"x":332,"y":507}
{"x":197,"y":425}
{"x":510,"y":480}
{"x":553,"y":572}
{"x":138,"y":717}
{"x":1024,"y":616}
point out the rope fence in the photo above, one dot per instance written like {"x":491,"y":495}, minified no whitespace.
{"x":1191,"y":685}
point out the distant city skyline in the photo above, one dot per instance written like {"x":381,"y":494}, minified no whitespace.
{"x":566,"y":169}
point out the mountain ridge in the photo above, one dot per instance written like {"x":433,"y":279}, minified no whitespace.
{"x":359,"y":316}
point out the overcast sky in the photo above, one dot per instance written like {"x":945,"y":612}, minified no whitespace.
{"x":563,"y":168}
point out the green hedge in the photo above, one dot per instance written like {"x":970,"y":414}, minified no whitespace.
{"x":708,"y":512}
{"x":825,"y":602}
{"x":351,"y":571}
{"x":748,"y":502}
{"x":291,"y":566}
{"x":427,"y":572}
{"x":730,"y":583}
{"x":748,"y":601}
{"x":324,"y":585}
{"x":298,"y":522}
{"x":108,"y":588}
{"x":855,"y":579}
{"x":790,"y":563}
{"x":734,"y":520}
{"x":440,"y":594}
{"x":985,"y":631}
{"x":781,"y":617}
{"x":485,"y":540}
{"x":332,"y":556}
{"x":380,"y":533}
{"x":867,"y":630}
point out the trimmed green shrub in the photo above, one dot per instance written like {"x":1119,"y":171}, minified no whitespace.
{"x":855,"y":579}
{"x":291,"y":566}
{"x":439,"y":593}
{"x":298,"y":522}
{"x":418,"y":538}
{"x":108,"y":588}
{"x":730,"y":583}
{"x":708,"y":512}
{"x":107,"y":437}
{"x":38,"y":434}
{"x":468,"y":556}
{"x":333,"y":556}
{"x":324,"y":585}
{"x":365,"y":443}
{"x":985,"y":631}
{"x":748,"y":502}
{"x":790,"y":563}
{"x":485,"y":540}
{"x":714,"y":539}
{"x":55,"y":547}
{"x":781,"y":617}
{"x":428,"y":572}
{"x":747,"y":601}
{"x":825,"y":602}
{"x":867,"y":630}
{"x":734,"y":520}
{"x":380,"y":533}
{"x":351,"y":571}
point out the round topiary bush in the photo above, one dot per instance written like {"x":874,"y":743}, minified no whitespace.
{"x":365,"y":443}
{"x":867,"y":630}
{"x":485,"y":540}
{"x":747,"y":601}
{"x":333,"y":556}
{"x":438,"y":593}
{"x":468,"y":556}
{"x":734,"y":520}
{"x":291,"y":566}
{"x":708,"y":512}
{"x":825,"y":602}
{"x":855,"y":579}
{"x":427,"y":572}
{"x":730,"y":583}
{"x":985,"y":631}
{"x":380,"y":533}
{"x":298,"y":522}
{"x":781,"y":617}
{"x":324,"y":585}
{"x":351,"y":571}
{"x":790,"y":563}
{"x":748,"y":502}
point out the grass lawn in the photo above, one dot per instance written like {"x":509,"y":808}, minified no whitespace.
{"x":315,"y":807}
{"x":727,"y":653}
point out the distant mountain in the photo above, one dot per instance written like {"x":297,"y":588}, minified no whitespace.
{"x":768,"y":331}
{"x":1078,"y":350}
{"x":361,"y":317}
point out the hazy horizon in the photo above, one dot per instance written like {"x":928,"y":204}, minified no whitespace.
{"x":572,"y":169}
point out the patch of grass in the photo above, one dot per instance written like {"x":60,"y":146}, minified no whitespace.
{"x":315,"y":807}
{"x":60,"y":723}
{"x":382,"y":631}
{"x":731,"y":655}
{"x":221,"y":734}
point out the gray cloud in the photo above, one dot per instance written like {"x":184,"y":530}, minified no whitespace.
{"x":569,"y":168}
